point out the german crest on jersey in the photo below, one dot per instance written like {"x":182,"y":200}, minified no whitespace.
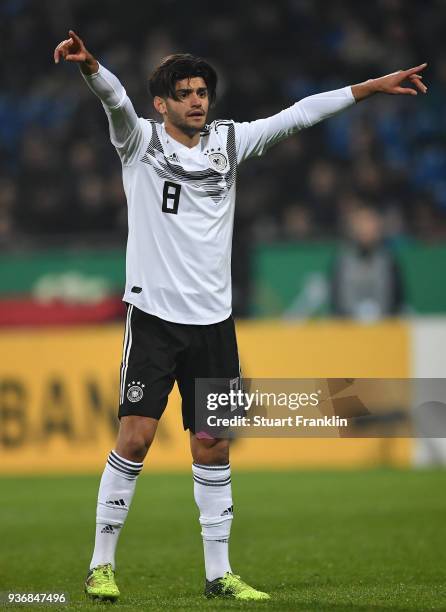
{"x":218,"y":161}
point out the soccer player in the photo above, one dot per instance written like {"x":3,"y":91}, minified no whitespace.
{"x":179,"y":178}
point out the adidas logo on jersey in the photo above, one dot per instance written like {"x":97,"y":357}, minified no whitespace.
{"x":173,"y":157}
{"x":107,"y":529}
{"x":116,"y":502}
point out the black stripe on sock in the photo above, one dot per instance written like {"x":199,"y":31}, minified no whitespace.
{"x":121,"y":469}
{"x":123,"y":466}
{"x":221,"y":480}
{"x":212,"y":484}
{"x":111,"y":463}
{"x":125,"y":474}
{"x":125,"y":463}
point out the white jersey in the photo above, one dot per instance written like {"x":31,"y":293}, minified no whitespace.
{"x":181,"y":200}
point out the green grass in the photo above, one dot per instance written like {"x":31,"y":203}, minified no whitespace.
{"x":323,"y":541}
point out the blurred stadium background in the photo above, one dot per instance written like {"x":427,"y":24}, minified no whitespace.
{"x":368,"y":182}
{"x":63,"y":214}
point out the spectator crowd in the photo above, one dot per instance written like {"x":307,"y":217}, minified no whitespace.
{"x":60,"y":178}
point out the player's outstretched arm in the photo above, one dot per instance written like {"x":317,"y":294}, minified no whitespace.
{"x":125,"y":131}
{"x":255,"y":137}
{"x":392,"y":84}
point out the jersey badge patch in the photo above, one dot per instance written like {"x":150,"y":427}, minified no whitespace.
{"x":135,"y":392}
{"x":218,"y":161}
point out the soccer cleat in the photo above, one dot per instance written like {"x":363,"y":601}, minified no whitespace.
{"x":233,"y":586}
{"x":100,"y":583}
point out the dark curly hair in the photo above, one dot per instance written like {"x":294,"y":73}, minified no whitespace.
{"x":180,"y":66}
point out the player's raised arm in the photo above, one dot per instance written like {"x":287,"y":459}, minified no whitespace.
{"x":125,"y":132}
{"x":255,"y":137}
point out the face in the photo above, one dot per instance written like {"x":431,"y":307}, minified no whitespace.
{"x":366,"y":227}
{"x":189,"y":112}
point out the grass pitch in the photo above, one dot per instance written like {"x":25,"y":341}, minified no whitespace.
{"x":324,"y":541}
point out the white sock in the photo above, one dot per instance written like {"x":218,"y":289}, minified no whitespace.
{"x":213,"y":495}
{"x":114,"y":498}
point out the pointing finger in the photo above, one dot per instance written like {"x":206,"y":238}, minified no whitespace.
{"x":416,"y":69}
{"x":74,"y":36}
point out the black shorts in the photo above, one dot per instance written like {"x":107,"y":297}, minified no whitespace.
{"x":157,"y":353}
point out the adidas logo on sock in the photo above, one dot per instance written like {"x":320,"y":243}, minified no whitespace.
{"x":116,"y":502}
{"x":229,"y":510}
{"x":107,"y":529}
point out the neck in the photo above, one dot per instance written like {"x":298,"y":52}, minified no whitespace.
{"x":187,"y":139}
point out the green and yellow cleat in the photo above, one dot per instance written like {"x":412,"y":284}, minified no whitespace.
{"x":100,"y":583}
{"x":233,"y":586}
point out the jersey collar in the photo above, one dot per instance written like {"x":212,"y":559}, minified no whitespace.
{"x":173,"y":144}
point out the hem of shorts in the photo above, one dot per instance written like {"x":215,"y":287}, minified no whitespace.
{"x":166,"y":317}
{"x":135,"y":412}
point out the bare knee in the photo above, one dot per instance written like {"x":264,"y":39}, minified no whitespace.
{"x":135,"y":436}
{"x":133,"y":447}
{"x":210,"y":452}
